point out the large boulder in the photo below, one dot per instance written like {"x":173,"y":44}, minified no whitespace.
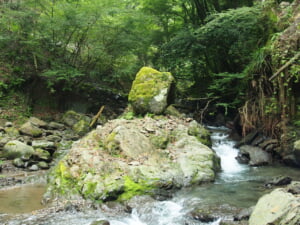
{"x":281,"y":206}
{"x":255,"y":155}
{"x":127,"y":158}
{"x":150,"y":91}
{"x":17,"y":149}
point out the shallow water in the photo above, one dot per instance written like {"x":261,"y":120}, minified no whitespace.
{"x":21,"y":199}
{"x":237,"y":186}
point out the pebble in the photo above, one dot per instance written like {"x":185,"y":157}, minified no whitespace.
{"x":34,"y":168}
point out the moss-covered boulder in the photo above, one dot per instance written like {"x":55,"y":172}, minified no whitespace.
{"x":12,"y":131}
{"x":81,"y":127}
{"x":78,"y":122}
{"x":125,"y":158}
{"x":70,"y":118}
{"x":150,"y":91}
{"x":41,"y":154}
{"x":16,"y":149}
{"x":30,"y":129}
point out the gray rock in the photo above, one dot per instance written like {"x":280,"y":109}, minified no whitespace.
{"x":278,"y":181}
{"x":291,"y":160}
{"x":70,"y":118}
{"x":41,"y":154}
{"x":203,"y":215}
{"x":18,"y":163}
{"x":150,"y":91}
{"x":56,"y":126}
{"x":29,"y":129}
{"x":53,"y":138}
{"x":33,"y":168}
{"x":244,"y":214}
{"x":137,"y":201}
{"x":37,"y":122}
{"x":49,"y":145}
{"x":43,"y":165}
{"x":17,"y":149}
{"x":294,"y":188}
{"x":257,"y":156}
{"x":278,"y":207}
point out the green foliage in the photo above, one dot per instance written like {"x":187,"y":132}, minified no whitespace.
{"x":62,"y":75}
{"x":212,"y":59}
{"x":70,"y":43}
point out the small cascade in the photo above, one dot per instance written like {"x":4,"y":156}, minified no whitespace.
{"x":224,"y":148}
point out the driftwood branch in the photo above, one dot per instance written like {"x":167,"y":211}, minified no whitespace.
{"x":95,"y":118}
{"x":285,"y":66}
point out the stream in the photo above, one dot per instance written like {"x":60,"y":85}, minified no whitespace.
{"x":236,"y":187}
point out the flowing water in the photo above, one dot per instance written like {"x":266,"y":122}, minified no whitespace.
{"x":237,"y":186}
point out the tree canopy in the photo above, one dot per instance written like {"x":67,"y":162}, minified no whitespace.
{"x":208,"y":45}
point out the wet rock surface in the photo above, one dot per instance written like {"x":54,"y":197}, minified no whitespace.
{"x":278,"y":181}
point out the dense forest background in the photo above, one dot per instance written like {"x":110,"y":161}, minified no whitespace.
{"x":224,"y":54}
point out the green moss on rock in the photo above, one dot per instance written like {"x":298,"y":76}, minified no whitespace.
{"x":149,"y":92}
{"x":12,"y":132}
{"x":199,"y":131}
{"x":160,"y":141}
{"x":132,"y":188}
{"x":111,"y":145}
{"x":81,"y":127}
